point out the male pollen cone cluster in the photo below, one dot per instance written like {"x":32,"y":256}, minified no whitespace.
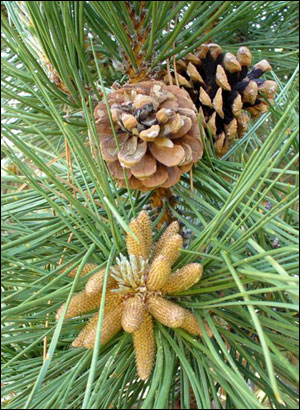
{"x":222,"y":88}
{"x":136,"y":293}
{"x":157,"y":132}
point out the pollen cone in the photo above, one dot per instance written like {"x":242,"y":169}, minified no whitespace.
{"x":144,"y":347}
{"x":88,"y":267}
{"x":136,"y":245}
{"x":184,"y":278}
{"x":168,"y":313}
{"x":192,"y":326}
{"x":171,"y":230}
{"x":159,"y":273}
{"x":79,"y":304}
{"x":110,"y":326}
{"x":171,"y":248}
{"x":95,"y":283}
{"x":133,"y":314}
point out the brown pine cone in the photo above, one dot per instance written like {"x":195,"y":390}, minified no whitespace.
{"x":158,"y":133}
{"x":222,"y":89}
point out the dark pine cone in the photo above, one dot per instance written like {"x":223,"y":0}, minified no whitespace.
{"x":222,"y":89}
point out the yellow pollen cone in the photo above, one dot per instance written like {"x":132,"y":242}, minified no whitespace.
{"x":171,"y":230}
{"x":144,"y":347}
{"x":159,"y":273}
{"x":133,"y":247}
{"x":171,"y":249}
{"x":145,"y":225}
{"x":184,"y":278}
{"x":110,"y":326}
{"x":133,"y":314}
{"x":95,"y":283}
{"x":112,"y":300}
{"x":92,"y":323}
{"x":166,"y":312}
{"x":80,"y":304}
{"x":192,"y":326}
{"x":88,"y":267}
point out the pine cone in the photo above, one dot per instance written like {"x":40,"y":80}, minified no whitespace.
{"x":157,"y":131}
{"x":221,"y":88}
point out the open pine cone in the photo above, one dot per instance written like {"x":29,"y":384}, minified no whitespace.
{"x":157,"y":131}
{"x":222,"y":88}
